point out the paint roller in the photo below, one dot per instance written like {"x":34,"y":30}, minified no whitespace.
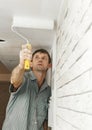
{"x":32,"y":23}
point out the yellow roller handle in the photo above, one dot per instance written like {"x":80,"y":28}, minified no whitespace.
{"x":27,"y":62}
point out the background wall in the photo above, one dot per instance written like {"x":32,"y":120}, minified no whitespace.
{"x":4,"y":96}
{"x":72,"y":75}
{"x":4,"y":91}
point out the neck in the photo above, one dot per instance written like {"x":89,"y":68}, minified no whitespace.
{"x":40,"y":77}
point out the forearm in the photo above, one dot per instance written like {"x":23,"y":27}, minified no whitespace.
{"x":17,"y":76}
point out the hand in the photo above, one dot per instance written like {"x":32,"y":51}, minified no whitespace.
{"x":25,"y":54}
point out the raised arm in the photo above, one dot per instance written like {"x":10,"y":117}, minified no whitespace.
{"x":17,"y":76}
{"x":18,"y":72}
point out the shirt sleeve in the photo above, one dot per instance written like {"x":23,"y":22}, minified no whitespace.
{"x":12,"y":89}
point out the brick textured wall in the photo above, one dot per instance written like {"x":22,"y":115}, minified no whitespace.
{"x":73,"y":73}
{"x":4,"y":96}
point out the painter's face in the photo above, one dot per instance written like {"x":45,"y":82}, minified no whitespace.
{"x":40,"y":62}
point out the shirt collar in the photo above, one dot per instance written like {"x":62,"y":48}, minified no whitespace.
{"x":32,"y":77}
{"x":44,"y":85}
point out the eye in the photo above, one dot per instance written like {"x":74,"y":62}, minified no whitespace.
{"x":44,"y":58}
{"x":36,"y":57}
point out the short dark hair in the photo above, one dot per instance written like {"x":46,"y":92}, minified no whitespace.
{"x":42,"y":51}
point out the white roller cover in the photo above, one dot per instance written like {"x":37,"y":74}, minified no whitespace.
{"x":34,"y":23}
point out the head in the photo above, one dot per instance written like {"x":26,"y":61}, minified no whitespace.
{"x":41,"y":60}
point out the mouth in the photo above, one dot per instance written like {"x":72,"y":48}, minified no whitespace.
{"x":39,"y":64}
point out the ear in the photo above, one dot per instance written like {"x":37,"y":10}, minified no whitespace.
{"x":49,"y":65}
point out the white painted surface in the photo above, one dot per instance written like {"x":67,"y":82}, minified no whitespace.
{"x":73,"y":72}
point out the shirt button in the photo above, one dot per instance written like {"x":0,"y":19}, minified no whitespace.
{"x":35,"y":122}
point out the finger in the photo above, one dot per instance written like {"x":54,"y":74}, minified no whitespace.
{"x":26,"y":56}
{"x":27,"y":51}
{"x":26,"y":46}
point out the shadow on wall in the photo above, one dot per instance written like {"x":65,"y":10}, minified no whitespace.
{"x":4,"y":97}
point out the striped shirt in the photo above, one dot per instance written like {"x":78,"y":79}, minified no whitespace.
{"x":28,"y":106}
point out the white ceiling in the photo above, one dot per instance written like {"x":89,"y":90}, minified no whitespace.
{"x":44,"y":9}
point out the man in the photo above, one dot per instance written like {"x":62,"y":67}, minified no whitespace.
{"x":27,"y":108}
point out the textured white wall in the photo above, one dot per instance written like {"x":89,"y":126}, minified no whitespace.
{"x":72,"y":75}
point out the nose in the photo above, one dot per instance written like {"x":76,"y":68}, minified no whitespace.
{"x":40,"y":59}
